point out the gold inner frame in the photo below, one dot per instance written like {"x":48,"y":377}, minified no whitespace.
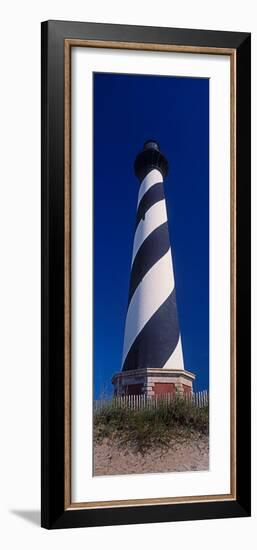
{"x":68,"y":44}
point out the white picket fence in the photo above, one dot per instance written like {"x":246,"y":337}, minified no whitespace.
{"x":140,"y":402}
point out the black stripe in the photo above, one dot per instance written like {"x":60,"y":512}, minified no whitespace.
{"x":153,"y":195}
{"x":157,"y":340}
{"x":152,"y":249}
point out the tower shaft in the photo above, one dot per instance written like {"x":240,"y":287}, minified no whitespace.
{"x":152,"y":338}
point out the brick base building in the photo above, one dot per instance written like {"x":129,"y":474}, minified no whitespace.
{"x":152,"y":382}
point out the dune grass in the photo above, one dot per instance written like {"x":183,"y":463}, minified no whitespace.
{"x":154,"y":426}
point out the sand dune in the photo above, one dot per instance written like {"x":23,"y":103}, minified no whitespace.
{"x":110,"y":458}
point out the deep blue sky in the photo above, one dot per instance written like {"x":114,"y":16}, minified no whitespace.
{"x":129,"y":110}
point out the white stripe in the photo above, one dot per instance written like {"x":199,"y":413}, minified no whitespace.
{"x":175,"y":361}
{"x":155,"y":216}
{"x":150,"y":179}
{"x":150,"y":294}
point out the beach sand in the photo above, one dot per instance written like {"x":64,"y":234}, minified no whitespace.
{"x":110,"y":458}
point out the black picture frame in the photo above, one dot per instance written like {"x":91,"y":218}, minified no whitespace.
{"x":54,"y":514}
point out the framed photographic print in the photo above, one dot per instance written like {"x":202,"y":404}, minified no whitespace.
{"x":145,"y":274}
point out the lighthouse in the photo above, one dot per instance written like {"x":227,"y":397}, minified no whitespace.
{"x":152,"y":360}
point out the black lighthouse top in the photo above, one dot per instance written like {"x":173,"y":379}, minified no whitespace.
{"x":150,"y":158}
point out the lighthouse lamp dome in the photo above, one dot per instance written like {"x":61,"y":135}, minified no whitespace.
{"x":149,"y":159}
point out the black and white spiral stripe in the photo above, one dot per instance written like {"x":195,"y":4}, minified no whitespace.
{"x":152,"y":338}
